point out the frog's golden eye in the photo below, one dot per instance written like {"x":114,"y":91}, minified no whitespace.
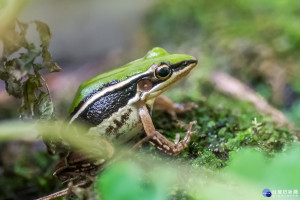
{"x":163,"y":72}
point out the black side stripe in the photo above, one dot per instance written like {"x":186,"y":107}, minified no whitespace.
{"x":103,"y":107}
{"x":91,"y":94}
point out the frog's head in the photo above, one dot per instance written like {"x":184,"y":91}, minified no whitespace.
{"x":165,"y":70}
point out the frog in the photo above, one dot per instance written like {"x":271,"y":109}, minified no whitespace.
{"x":118,"y":105}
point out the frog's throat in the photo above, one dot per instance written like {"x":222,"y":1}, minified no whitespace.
{"x":160,"y":88}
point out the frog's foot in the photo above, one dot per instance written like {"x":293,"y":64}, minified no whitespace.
{"x":78,"y":168}
{"x":187,"y":137}
{"x":160,"y":141}
{"x":165,"y":104}
{"x":168,"y":147}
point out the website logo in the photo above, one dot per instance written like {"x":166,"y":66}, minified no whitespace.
{"x":266,"y":193}
{"x":285,"y":193}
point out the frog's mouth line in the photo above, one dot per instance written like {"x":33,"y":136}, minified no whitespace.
{"x":180,"y":70}
{"x":183,"y":64}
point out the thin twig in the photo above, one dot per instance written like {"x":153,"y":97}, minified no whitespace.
{"x":232,"y":86}
{"x":56,"y":194}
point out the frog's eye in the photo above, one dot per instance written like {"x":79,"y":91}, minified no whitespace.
{"x":163,"y":72}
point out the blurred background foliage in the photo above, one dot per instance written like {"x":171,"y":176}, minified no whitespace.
{"x":240,"y":180}
{"x":237,"y":151}
{"x":255,"y":41}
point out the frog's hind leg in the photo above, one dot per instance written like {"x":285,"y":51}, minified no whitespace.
{"x":160,"y":141}
{"x":165,"y":104}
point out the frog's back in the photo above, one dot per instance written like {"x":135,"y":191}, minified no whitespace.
{"x":102,"y":81}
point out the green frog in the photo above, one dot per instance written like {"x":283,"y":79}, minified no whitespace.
{"x":117,"y":105}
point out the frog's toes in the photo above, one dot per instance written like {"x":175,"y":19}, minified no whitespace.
{"x":187,"y":137}
{"x":189,"y":131}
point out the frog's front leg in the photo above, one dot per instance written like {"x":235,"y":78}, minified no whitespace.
{"x":160,"y":141}
{"x":163,"y":103}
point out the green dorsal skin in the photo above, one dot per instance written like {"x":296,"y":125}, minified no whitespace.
{"x":154,"y":56}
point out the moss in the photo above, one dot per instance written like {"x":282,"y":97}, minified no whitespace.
{"x":224,"y":125}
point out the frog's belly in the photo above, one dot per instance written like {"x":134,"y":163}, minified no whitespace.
{"x":121,"y":126}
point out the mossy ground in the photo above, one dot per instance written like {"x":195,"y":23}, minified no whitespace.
{"x":222,"y":130}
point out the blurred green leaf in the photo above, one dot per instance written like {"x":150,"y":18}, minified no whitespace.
{"x":25,"y":61}
{"x":12,"y":78}
{"x":29,"y":99}
{"x":3,"y":3}
{"x":125,"y":181}
{"x":20,"y":71}
{"x":45,"y":36}
{"x":280,"y":172}
{"x":44,"y":106}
